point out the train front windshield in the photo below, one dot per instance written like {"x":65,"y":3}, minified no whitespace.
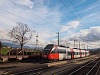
{"x":47,"y":49}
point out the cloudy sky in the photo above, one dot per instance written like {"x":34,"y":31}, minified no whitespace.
{"x":73,"y":19}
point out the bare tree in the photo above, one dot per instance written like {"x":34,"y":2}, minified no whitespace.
{"x":21,"y":33}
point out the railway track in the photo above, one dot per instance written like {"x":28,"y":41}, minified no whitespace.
{"x":41,"y":71}
{"x":37,"y":71}
{"x":61,"y":69}
{"x":91,"y":68}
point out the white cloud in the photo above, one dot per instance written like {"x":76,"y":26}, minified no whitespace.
{"x":74,"y":24}
{"x":70,"y":25}
{"x":46,"y":19}
{"x":92,"y":34}
{"x":4,"y":34}
{"x":28,"y":3}
{"x":65,"y":28}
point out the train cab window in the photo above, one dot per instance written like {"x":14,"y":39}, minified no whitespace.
{"x":49,"y":47}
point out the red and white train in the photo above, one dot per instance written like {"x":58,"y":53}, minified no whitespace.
{"x":54,"y":52}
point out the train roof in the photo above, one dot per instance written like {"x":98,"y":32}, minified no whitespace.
{"x":57,"y":45}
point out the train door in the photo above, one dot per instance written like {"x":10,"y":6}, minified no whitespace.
{"x":68,"y":53}
{"x":80,"y":54}
{"x":72,"y":53}
{"x":85,"y":53}
{"x":66,"y":56}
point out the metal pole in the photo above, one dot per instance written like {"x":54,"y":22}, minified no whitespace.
{"x":58,"y":38}
{"x":79,"y":44}
{"x":87,"y":44}
{"x":87,"y":47}
{"x":84,"y":46}
{"x":36,"y":39}
{"x":74,"y":43}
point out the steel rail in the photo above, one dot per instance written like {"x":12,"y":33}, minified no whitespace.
{"x":63,"y":70}
{"x":97,"y":71}
{"x":81,"y":67}
{"x":27,"y":71}
{"x":72,"y":66}
{"x":92,"y":68}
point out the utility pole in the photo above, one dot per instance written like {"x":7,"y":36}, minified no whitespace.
{"x":74,"y":43}
{"x":87,"y":47}
{"x":84,"y":46}
{"x":87,"y":44}
{"x":79,"y":44}
{"x":58,"y":38}
{"x":36,"y":39}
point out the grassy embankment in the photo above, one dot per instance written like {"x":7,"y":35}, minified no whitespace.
{"x":5,"y":50}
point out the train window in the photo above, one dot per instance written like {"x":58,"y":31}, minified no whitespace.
{"x":69,"y":53}
{"x":75,"y":53}
{"x":62,"y":50}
